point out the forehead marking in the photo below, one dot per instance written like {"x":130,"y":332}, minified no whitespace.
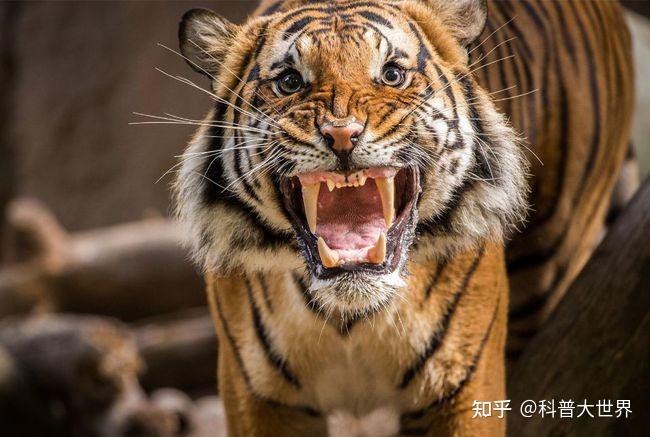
{"x":423,"y":54}
{"x":355,"y":20}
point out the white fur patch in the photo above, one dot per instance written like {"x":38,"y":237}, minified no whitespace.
{"x":378,"y":423}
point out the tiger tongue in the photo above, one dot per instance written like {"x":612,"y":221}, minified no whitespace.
{"x":331,"y":258}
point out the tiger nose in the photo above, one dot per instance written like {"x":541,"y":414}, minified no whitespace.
{"x":342,"y":136}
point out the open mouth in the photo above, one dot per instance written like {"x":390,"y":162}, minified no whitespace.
{"x":353,"y":221}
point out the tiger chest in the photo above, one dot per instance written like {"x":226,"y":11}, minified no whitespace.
{"x":354,"y":386}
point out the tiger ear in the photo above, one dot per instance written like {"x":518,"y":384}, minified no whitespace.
{"x":464,"y":18}
{"x":204,"y":39}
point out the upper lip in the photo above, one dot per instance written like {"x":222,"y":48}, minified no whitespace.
{"x":385,"y":253}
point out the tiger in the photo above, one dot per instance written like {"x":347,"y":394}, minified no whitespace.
{"x":375,"y":180}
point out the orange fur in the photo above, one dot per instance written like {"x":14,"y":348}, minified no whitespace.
{"x":290,"y":365}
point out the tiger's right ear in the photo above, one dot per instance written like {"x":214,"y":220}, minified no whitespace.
{"x":465,"y":19}
{"x":204,"y":39}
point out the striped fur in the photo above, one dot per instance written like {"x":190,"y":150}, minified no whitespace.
{"x":420,"y":363}
{"x":577,"y":56}
{"x":421,"y":351}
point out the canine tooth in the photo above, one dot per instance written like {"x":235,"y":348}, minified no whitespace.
{"x":329,"y":257}
{"x":310,"y":200}
{"x":331,"y":185}
{"x":362,"y":179}
{"x":386,"y":187}
{"x":377,"y":253}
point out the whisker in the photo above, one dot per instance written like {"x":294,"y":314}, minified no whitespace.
{"x":221,"y":83}
{"x":227,"y":149}
{"x":224,"y":66}
{"x":455,"y":80}
{"x":218,"y":123}
{"x":214,"y":96}
{"x":207,"y":154}
{"x":484,"y":56}
{"x":225,"y":125}
{"x":266,"y":161}
{"x":516,"y":96}
{"x":491,"y":34}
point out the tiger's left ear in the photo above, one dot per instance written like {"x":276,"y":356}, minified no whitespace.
{"x":464,"y":18}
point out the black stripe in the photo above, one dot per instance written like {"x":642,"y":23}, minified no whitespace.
{"x":483,"y":168}
{"x":333,"y":98}
{"x":214,"y":190}
{"x":392,"y":109}
{"x":595,"y":103}
{"x":297,"y":27}
{"x":513,"y":27}
{"x":565,"y":121}
{"x":523,"y":62}
{"x":439,"y":334}
{"x":261,"y":42}
{"x":232,"y":342}
{"x":262,"y":335}
{"x":447,"y":86}
{"x":330,"y":9}
{"x":423,"y":52}
{"x":394,"y":128}
{"x":533,"y":305}
{"x":569,"y":45}
{"x":365,"y":4}
{"x":287,"y":18}
{"x":469,"y":372}
{"x":265,"y":292}
{"x":375,"y":18}
{"x":500,"y":64}
{"x":241,"y":179}
{"x":434,"y":279}
{"x":240,"y":362}
{"x":253,"y":76}
{"x":439,"y":224}
{"x":529,"y":307}
{"x":539,"y":257}
{"x":594,"y":91}
{"x":304,"y":291}
{"x":272,"y":9}
{"x":214,"y":169}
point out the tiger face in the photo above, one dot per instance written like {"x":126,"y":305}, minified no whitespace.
{"x":347,"y":137}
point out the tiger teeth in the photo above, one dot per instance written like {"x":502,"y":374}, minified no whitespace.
{"x":310,"y":201}
{"x":329,"y":258}
{"x":362,"y":179}
{"x":377,"y":253}
{"x":356,"y":180}
{"x":386,"y":187}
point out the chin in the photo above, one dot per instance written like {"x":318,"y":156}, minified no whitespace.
{"x":355,"y":229}
{"x":356,"y":294}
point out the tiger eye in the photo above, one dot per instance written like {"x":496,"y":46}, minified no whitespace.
{"x":392,"y":75}
{"x":291,"y":82}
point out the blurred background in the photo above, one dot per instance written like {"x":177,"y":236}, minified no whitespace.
{"x":85,"y":228}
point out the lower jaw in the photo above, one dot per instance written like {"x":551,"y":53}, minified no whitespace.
{"x":398,"y":242}
{"x":353,"y":295}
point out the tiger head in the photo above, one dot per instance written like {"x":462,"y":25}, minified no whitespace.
{"x":347,"y":137}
